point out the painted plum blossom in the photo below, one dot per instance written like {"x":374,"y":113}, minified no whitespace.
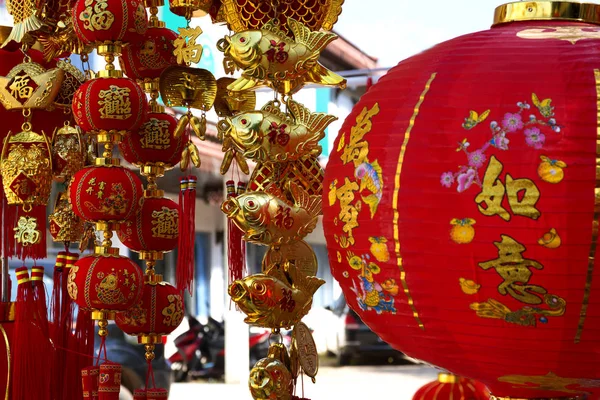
{"x":511,"y":123}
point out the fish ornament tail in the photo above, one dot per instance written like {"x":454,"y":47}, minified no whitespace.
{"x":24,"y":13}
{"x":315,"y":122}
{"x":306,"y":284}
{"x":312,"y":204}
{"x":315,"y":41}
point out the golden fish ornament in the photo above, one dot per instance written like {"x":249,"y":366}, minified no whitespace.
{"x":269,"y":218}
{"x":268,"y":57}
{"x":278,"y":298}
{"x":27,"y":16}
{"x":270,"y":135}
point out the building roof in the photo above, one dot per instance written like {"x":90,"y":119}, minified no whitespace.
{"x":341,"y":54}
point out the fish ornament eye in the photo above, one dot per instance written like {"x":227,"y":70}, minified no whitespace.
{"x":259,"y":287}
{"x":252,"y":205}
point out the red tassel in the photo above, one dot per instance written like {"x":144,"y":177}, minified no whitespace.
{"x":236,"y":247}
{"x":187,"y":234}
{"x":82,"y":344}
{"x":31,"y":347}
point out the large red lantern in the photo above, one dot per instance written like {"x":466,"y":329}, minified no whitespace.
{"x":105,"y":193}
{"x":105,"y":284}
{"x":154,"y":143}
{"x":155,"y":228}
{"x":116,"y":105}
{"x":102,"y":21}
{"x":146,"y":59}
{"x":461,"y":211}
{"x":158,"y":313}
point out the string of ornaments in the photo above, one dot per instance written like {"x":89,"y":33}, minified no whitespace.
{"x":88,"y":116}
{"x":281,"y":203}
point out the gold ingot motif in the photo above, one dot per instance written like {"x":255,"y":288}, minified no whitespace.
{"x":269,"y":218}
{"x":279,"y":298}
{"x":227,"y":103}
{"x":26,"y":168}
{"x":271,"y":378}
{"x":268,"y":57}
{"x":270,"y":135}
{"x":29,"y":85}
{"x":188,"y":87}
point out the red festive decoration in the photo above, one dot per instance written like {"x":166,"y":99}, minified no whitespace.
{"x":236,"y":246}
{"x":115,"y":105}
{"x":461,"y":215}
{"x":449,"y":386}
{"x":154,"y":143}
{"x":187,"y":234}
{"x":109,"y":381}
{"x":158,"y":313}
{"x":105,"y":193}
{"x":154,"y":228}
{"x":147,"y":59}
{"x":105,"y":283}
{"x":101,"y":21}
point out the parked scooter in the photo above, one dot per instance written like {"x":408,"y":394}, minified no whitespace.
{"x":201,"y":350}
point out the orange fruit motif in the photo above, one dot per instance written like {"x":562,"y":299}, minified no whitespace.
{"x":379,"y":249}
{"x":462,"y":231}
{"x":551,"y":171}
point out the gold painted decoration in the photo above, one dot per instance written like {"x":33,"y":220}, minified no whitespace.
{"x":242,"y":15}
{"x":64,"y":224}
{"x":267,"y":57}
{"x":552,"y":382}
{"x":270,"y":218}
{"x":27,"y":232}
{"x":307,"y":349}
{"x":188,"y":87}
{"x":228,"y":103}
{"x":27,"y":16}
{"x":68,"y":152}
{"x":63,"y":40}
{"x":187,"y":50}
{"x":298,"y":252}
{"x":26,"y":168}
{"x":271,"y":378}
{"x":186,"y":8}
{"x":73,"y":78}
{"x":278,"y":298}
{"x":29,"y":85}
{"x":272,"y":136}
{"x":96,"y":16}
{"x":306,"y":172}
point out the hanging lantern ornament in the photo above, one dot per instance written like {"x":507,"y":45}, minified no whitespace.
{"x":454,"y":182}
{"x":449,"y":386}
{"x":186,"y":8}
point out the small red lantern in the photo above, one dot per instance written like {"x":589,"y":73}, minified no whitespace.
{"x":147,"y":59}
{"x":105,"y":284}
{"x":158,"y":313}
{"x":155,"y":228}
{"x":102,"y":21}
{"x":154,"y":143}
{"x":105,"y":193}
{"x":449,"y":386}
{"x":115,"y":105}
{"x":462,"y":205}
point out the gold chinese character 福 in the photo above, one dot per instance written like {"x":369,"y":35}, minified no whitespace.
{"x":115,"y":103}
{"x":186,"y":48}
{"x":20,"y":89}
{"x":522,"y":194}
{"x":514,"y":269}
{"x":155,"y":134}
{"x":166,"y":223}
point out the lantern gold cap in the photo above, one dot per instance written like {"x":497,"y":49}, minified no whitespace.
{"x":547,"y":10}
{"x":444,"y":377}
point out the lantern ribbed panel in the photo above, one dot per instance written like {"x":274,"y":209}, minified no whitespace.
{"x":423,"y":266}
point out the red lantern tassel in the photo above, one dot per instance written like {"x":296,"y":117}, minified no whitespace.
{"x":31,"y":347}
{"x":236,"y":247}
{"x":67,"y":364}
{"x":56,"y":328}
{"x":187,"y":234}
{"x":46,"y":352}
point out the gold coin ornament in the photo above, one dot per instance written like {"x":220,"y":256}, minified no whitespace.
{"x":307,"y":349}
{"x":299,"y":252}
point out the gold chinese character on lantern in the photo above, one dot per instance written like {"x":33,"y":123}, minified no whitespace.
{"x":155,"y":134}
{"x":514,"y":269}
{"x":115,"y":103}
{"x":186,"y":49}
{"x":522,"y":194}
{"x":165,"y":223}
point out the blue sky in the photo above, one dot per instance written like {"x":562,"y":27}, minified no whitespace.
{"x":393,"y":30}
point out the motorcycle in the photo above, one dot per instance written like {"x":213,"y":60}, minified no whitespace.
{"x":201,"y":350}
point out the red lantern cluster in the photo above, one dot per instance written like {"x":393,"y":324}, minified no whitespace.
{"x":102,"y":21}
{"x":154,"y":143}
{"x":158,"y":313}
{"x":148,"y":58}
{"x":461,"y":209}
{"x":109,"y":104}
{"x":154,"y":228}
{"x":105,"y":193}
{"x":105,"y":283}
